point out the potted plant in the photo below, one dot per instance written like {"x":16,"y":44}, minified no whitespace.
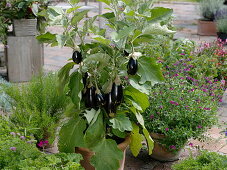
{"x":208,"y":8}
{"x":178,"y":112}
{"x":222,"y":29}
{"x":108,"y":88}
{"x":24,"y":15}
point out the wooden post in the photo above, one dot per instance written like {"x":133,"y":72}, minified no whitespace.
{"x":25,"y":58}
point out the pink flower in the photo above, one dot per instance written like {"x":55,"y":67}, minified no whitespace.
{"x":172,"y":147}
{"x":13,"y":133}
{"x":182,"y":53}
{"x":13,"y":148}
{"x":166,"y":129}
{"x":42,"y":143}
{"x":206,"y":108}
{"x":190,"y":144}
{"x":199,"y":126}
{"x":8,"y":5}
{"x":151,"y":116}
{"x":22,"y":137}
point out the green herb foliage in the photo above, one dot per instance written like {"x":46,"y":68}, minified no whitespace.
{"x":205,"y":161}
{"x":37,"y":106}
{"x":19,"y":152}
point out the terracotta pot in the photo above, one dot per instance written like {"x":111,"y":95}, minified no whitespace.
{"x":87,"y":154}
{"x":160,"y":152}
{"x":25,"y":27}
{"x":207,"y":27}
{"x":222,"y":36}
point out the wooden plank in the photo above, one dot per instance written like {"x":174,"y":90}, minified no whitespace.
{"x":25,"y":58}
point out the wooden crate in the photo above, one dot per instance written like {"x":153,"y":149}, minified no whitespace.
{"x":25,"y":58}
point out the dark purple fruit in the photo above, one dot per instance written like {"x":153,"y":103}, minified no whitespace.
{"x":117,"y":93}
{"x":126,"y":53}
{"x":85,"y":79}
{"x":109,"y":106}
{"x":77,"y":57}
{"x":90,"y":97}
{"x":132,"y":66}
{"x":99,"y":99}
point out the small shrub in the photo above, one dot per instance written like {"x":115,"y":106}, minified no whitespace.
{"x":37,"y":106}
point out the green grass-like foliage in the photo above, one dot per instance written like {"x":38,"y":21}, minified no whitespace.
{"x":205,"y":161}
{"x":222,"y":25}
{"x":21,"y":153}
{"x":37,"y":107}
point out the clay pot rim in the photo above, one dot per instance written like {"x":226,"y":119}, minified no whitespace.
{"x":206,"y":20}
{"x":155,"y":135}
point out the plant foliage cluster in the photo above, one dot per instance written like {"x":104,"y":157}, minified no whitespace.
{"x":36,"y":106}
{"x":204,"y":161}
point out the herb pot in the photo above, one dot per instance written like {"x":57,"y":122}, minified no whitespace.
{"x":160,"y":152}
{"x":25,"y":27}
{"x":222,"y":37}
{"x":206,"y":27}
{"x":87,"y":154}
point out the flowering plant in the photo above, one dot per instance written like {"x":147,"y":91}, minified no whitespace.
{"x":180,"y":112}
{"x":20,"y":9}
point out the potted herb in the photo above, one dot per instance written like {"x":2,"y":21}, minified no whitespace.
{"x":108,"y":88}
{"x":222,"y":29}
{"x":208,"y":9}
{"x":24,"y":15}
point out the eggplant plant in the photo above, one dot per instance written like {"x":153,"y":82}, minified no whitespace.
{"x":108,"y":90}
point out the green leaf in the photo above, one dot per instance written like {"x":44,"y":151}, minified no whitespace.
{"x":159,"y":13}
{"x":71,"y":110}
{"x":91,"y":115}
{"x":73,"y":2}
{"x":102,"y":40}
{"x":101,"y":58}
{"x":68,"y":11}
{"x":76,"y":86}
{"x":61,"y":39}
{"x":35,"y":9}
{"x":46,"y":38}
{"x":126,"y":31}
{"x":71,"y":135}
{"x":78,"y":17}
{"x":140,"y":119}
{"x":95,"y":133}
{"x":149,"y":71}
{"x":118,"y":133}
{"x":127,"y":2}
{"x":139,"y":98}
{"x":107,"y":155}
{"x":150,"y":142}
{"x":63,"y":76}
{"x":105,"y":1}
{"x":156,"y":28}
{"x":136,"y":140}
{"x":108,"y":15}
{"x":134,"y":82}
{"x":121,"y":122}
